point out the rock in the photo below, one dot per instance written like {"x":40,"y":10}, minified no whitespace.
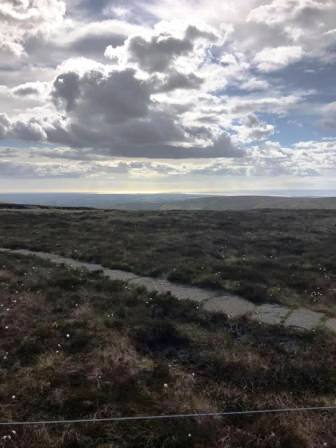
{"x":179,"y":291}
{"x":303,"y":319}
{"x":270,"y":314}
{"x":232,"y":306}
{"x":116,"y":274}
{"x":330,"y":324}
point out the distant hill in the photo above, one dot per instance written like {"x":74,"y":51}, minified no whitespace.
{"x":92,"y":200}
{"x":251,"y":203}
{"x":157,"y":202}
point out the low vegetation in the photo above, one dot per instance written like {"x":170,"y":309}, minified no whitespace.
{"x":265,"y":256}
{"x":77,"y":345}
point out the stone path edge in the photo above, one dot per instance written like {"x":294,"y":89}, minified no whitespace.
{"x":212,"y":301}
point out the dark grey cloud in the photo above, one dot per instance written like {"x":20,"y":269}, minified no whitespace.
{"x":66,"y":90}
{"x":94,"y":44}
{"x":89,"y":40}
{"x":28,"y":131}
{"x":157,"y":54}
{"x":25,"y":90}
{"x":252,"y":121}
{"x":176,"y":80}
{"x":95,"y":97}
{"x":4,"y":125}
{"x":193,"y":33}
{"x":114,"y":113}
{"x":94,"y":8}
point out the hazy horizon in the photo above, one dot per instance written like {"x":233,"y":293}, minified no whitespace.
{"x":281,"y":193}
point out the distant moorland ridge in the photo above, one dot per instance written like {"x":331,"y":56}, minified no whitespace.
{"x":251,"y":202}
{"x":165,"y":202}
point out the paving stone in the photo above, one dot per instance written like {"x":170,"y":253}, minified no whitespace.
{"x":331,"y":324}
{"x":232,"y":306}
{"x":303,"y":319}
{"x":270,"y":314}
{"x":70,"y":262}
{"x":116,"y":274}
{"x":178,"y":291}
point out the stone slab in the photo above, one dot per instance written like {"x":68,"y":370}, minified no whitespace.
{"x":178,"y":291}
{"x":116,"y":274}
{"x":330,"y":324}
{"x":232,"y":306}
{"x":303,"y":319}
{"x":270,"y":314}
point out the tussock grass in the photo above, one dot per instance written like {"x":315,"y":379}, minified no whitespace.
{"x":78,"y":345}
{"x":280,"y":256}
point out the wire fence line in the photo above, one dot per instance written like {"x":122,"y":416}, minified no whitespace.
{"x":169,"y":416}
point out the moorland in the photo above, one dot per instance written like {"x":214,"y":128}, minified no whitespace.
{"x":274,"y":256}
{"x":75,"y":344}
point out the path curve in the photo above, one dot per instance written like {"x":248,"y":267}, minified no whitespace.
{"x":212,"y":301}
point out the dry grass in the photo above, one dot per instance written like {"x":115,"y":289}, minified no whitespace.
{"x":265,"y":256}
{"x":82,"y":346}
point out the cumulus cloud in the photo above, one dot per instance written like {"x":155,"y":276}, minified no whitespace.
{"x":252,"y":129}
{"x":159,"y":50}
{"x":254,"y":84}
{"x":29,"y":131}
{"x":157,"y":54}
{"x":112,"y":98}
{"x":304,"y":159}
{"x":32,"y":89}
{"x":304,"y":23}
{"x":21,"y":19}
{"x":76,"y":39}
{"x":115,"y":108}
{"x":176,"y":80}
{"x":270,"y":59}
{"x":165,"y":80}
{"x":304,"y":12}
{"x":4,"y":125}
{"x":111,"y":110}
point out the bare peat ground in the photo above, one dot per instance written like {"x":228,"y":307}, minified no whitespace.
{"x":76,"y":344}
{"x":284,"y":257}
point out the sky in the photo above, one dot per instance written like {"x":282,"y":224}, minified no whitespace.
{"x":113,"y":96}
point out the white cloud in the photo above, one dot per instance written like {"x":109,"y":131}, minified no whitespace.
{"x":271,"y":59}
{"x":299,"y":11}
{"x":251,"y":129}
{"x":165,"y":80}
{"x":32,"y":89}
{"x":253,"y":84}
{"x":21,"y":19}
{"x":304,"y":23}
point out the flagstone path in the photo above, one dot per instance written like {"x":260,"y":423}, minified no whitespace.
{"x":212,"y":301}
